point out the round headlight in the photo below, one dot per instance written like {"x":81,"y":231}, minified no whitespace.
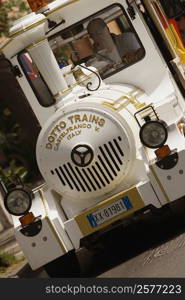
{"x":153,"y":134}
{"x":18,"y":201}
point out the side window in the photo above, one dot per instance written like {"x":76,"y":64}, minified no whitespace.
{"x":37,"y":83}
{"x":105,"y":40}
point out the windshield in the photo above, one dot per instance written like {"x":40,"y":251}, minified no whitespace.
{"x":106,"y":41}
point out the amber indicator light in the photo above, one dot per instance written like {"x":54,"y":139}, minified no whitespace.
{"x":27,"y":219}
{"x":163,"y":152}
{"x":35,"y":5}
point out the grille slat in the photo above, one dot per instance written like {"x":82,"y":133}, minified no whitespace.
{"x":118,"y":147}
{"x":112,"y":158}
{"x":89,"y":179}
{"x":102,"y":172}
{"x":115,"y":153}
{"x":74,"y":173}
{"x":107,"y":160}
{"x":92,"y":175}
{"x":66,"y":178}
{"x":105,"y":167}
{"x":98,"y":175}
{"x":59,"y":176}
{"x":80,"y":174}
{"x":72,"y":179}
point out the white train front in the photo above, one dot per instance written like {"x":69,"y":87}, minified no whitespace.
{"x":112,"y":117}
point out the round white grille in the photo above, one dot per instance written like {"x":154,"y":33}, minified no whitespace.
{"x":85,"y":150}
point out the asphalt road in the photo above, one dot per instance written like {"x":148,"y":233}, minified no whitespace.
{"x":151,"y":246}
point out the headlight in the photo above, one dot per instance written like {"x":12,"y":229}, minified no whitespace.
{"x":18,"y":201}
{"x":153,"y":134}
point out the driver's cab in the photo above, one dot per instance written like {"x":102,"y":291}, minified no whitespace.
{"x":116,"y":43}
{"x":106,"y":40}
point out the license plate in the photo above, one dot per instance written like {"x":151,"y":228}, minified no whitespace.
{"x":109,"y":211}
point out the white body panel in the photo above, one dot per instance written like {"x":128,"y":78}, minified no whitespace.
{"x":173,"y":180}
{"x":41,"y":248}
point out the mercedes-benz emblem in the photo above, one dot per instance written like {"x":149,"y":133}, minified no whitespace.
{"x":82,"y":155}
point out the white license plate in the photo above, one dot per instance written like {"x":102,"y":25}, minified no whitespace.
{"x":109,"y":211}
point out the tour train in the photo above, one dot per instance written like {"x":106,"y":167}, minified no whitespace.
{"x":105,"y":81}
